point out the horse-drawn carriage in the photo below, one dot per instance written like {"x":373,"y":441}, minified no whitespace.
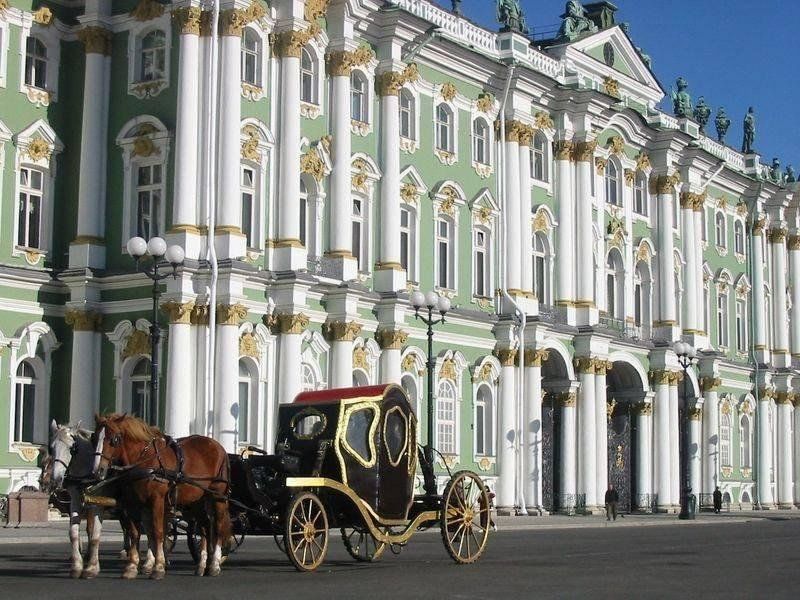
{"x":346,"y":459}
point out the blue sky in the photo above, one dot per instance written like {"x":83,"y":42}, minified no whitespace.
{"x":736,"y":53}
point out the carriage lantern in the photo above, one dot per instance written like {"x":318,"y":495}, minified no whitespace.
{"x":686,"y":356}
{"x":433,"y":302}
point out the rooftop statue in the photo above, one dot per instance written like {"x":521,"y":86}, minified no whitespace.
{"x":457,"y":7}
{"x":749,"y":131}
{"x":510,"y":16}
{"x":723,"y":123}
{"x":681,"y":100}
{"x":775,"y":171}
{"x":702,"y":112}
{"x":626,"y":29}
{"x":790,"y":176}
{"x":575,"y":22}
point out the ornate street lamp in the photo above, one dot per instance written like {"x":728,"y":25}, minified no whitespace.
{"x":157,"y":249}
{"x":686,"y":357}
{"x":433,"y":302}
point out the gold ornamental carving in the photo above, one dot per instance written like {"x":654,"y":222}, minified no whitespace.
{"x":248,"y":346}
{"x":484,"y":214}
{"x":665,"y":184}
{"x":675,"y":377}
{"x":766,"y":393}
{"x":793,"y":242}
{"x":341,"y":331}
{"x":448,"y":370}
{"x":630,"y":177}
{"x":3,"y":5}
{"x":390,"y":82}
{"x":611,"y":86}
{"x":359,"y":179}
{"x":233,"y":21}
{"x":291,"y":42}
{"x":617,"y":145}
{"x":188,"y":19}
{"x":83,"y":320}
{"x":38,"y":149}
{"x":96,"y":40}
{"x":644,"y":409}
{"x":287,"y":323}
{"x":506,"y":356}
{"x":250,"y":145}
{"x":584,"y":364}
{"x":562,"y":149}
{"x":231,"y":314}
{"x":339,"y":62}
{"x":311,"y":164}
{"x":448,"y":91}
{"x":525,"y":135}
{"x":138,"y":344}
{"x":199,"y":314}
{"x":448,"y":203}
{"x":315,"y":9}
{"x":619,"y":458}
{"x":147,"y":10}
{"x":485,"y":102}
{"x":43,"y":16}
{"x":542,"y":120}
{"x":360,"y":359}
{"x":408,"y":364}
{"x":541,"y":222}
{"x":642,"y":162}
{"x":409,"y":193}
{"x":484,"y":374}
{"x":777,"y":235}
{"x":514,"y":130}
{"x":783,"y":398}
{"x":660,"y":377}
{"x":177,"y":312}
{"x":759,"y":225}
{"x":567,"y":399}
{"x":534,"y":358}
{"x":584,"y":151}
{"x":600,"y":165}
{"x":643,"y":254}
{"x":695,"y":413}
{"x":741,"y":208}
{"x":391,"y":339}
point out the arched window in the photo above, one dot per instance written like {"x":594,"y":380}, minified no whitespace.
{"x":153,"y":56}
{"x":539,"y":158}
{"x":407,"y":115}
{"x":484,"y":422}
{"x":722,"y":319}
{"x":247,"y":401}
{"x":615,"y":282}
{"x":613,"y":195}
{"x":408,"y":240}
{"x":446,"y":417}
{"x":149,"y":191}
{"x":642,"y":293}
{"x":35,"y":63}
{"x":745,"y":437}
{"x":308,"y":77}
{"x":480,"y":141}
{"x":250,"y":189}
{"x":640,"y":195}
{"x":25,"y":403}
{"x":725,"y":439}
{"x":309,"y":378}
{"x":738,"y":237}
{"x":444,"y":128}
{"x":541,"y":267}
{"x":31,"y":193}
{"x":142,"y":405}
{"x":251,"y":57}
{"x":445,"y":253}
{"x":741,"y":325}
{"x":359,"y":110}
{"x":719,"y":231}
{"x":481,"y":253}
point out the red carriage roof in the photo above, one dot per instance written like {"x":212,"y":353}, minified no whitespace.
{"x":325,"y":396}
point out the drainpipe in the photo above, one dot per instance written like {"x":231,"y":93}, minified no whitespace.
{"x":712,"y":176}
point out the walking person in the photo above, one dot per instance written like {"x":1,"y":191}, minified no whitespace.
{"x":717,"y":500}
{"x":612,"y":497}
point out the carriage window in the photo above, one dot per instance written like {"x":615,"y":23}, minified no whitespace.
{"x":395,"y":435}
{"x":308,"y":424}
{"x":359,"y":436}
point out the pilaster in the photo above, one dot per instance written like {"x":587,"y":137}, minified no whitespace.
{"x":565,"y":235}
{"x":583,"y":154}
{"x":507,"y":440}
{"x":226,"y":378}
{"x":180,"y":369}
{"x":84,"y":394}
{"x":666,"y":327}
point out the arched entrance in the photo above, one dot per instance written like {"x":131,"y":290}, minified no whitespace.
{"x":556,"y":379}
{"x":625,"y":392}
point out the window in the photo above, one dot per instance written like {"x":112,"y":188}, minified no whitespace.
{"x":408,"y":243}
{"x":358,"y":97}
{"x":35,"y":63}
{"x":444,"y":129}
{"x":613,"y":195}
{"x":251,"y":57}
{"x":409,"y":386}
{"x":25,"y":403}
{"x":484,"y":422}
{"x":641,"y":296}
{"x":541,"y":268}
{"x":703,"y":229}
{"x":303,"y":213}
{"x":443,"y":253}
{"x":31,"y":192}
{"x":481,"y":249}
{"x":407,"y":117}
{"x":246,"y":389}
{"x":308,"y":78}
{"x":722,"y":319}
{"x":480,"y":142}
{"x":539,"y":158}
{"x":359,"y":234}
{"x":142,"y":405}
{"x":741,"y":326}
{"x":615,"y":282}
{"x":640,"y":195}
{"x":719,"y":230}
{"x":446,"y":418}
{"x":249,"y":203}
{"x":309,"y":378}
{"x":745,"y":452}
{"x":738,"y":237}
{"x":725,"y":439}
{"x":153,"y":56}
{"x":149,"y":190}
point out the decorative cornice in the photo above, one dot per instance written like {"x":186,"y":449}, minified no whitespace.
{"x":147,"y":10}
{"x":583,"y":151}
{"x":341,"y":331}
{"x":390,"y":82}
{"x":340,"y":62}
{"x":284,"y":323}
{"x":188,"y":19}
{"x":178,"y":313}
{"x":709,"y":384}
{"x":231,"y":314}
{"x":96,"y":40}
{"x":506,"y":356}
{"x":562,"y":149}
{"x":83,"y":320}
{"x":290,"y":43}
{"x":391,"y":339}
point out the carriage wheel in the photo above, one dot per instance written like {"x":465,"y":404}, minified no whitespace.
{"x":465,"y":519}
{"x":306,"y":530}
{"x":279,"y":541}
{"x":361,"y":544}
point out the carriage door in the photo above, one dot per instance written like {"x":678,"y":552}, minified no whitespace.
{"x":358,"y":450}
{"x":396,"y":460}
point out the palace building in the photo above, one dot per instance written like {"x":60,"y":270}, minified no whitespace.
{"x":337,"y":155}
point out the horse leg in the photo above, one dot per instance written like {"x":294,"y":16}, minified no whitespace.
{"x":157,"y":517}
{"x":76,"y":569}
{"x":149,"y":559}
{"x":133,"y":531}
{"x":202,"y":546}
{"x":221,"y":527}
{"x":94,"y":527}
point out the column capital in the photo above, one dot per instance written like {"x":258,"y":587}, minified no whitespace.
{"x":391,"y":339}
{"x":784,"y":398}
{"x":777,"y":235}
{"x":793,"y":242}
{"x":178,"y":313}
{"x":562,"y":149}
{"x":759,"y":225}
{"x":534,"y":358}
{"x":692,"y":201}
{"x":583,"y":151}
{"x":83,"y":320}
{"x":339,"y":62}
{"x":664,"y":184}
{"x":233,"y":20}
{"x":287,"y":322}
{"x":643,"y":409}
{"x":96,"y":40}
{"x":513,"y":130}
{"x":567,"y":399}
{"x":290,"y":43}
{"x":506,"y":356}
{"x":341,"y":331}
{"x":390,"y":82}
{"x":695,"y":413}
{"x":187,"y":19}
{"x":709,"y":384}
{"x":199,"y":314}
{"x":231,"y":314}
{"x":526,"y":135}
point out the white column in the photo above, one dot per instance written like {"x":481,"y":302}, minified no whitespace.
{"x":699,"y":208}
{"x":765,"y":498}
{"x":584,"y":153}
{"x":587,"y":444}
{"x":780,"y":333}
{"x":695,"y":451}
{"x":565,"y":236}
{"x":644,"y":464}
{"x":783,"y":462}
{"x":601,"y":430}
{"x":568,"y":446}
{"x":796,"y":459}
{"x":289,"y":252}
{"x":759,"y":300}
{"x":674,"y":444}
{"x":532,"y":430}
{"x":290,"y":375}
{"x":710,"y":434}
{"x":513,"y":226}
{"x":84,"y":400}
{"x":525,"y":213}
{"x":506,"y":455}
{"x":180,"y":370}
{"x":666,"y":246}
{"x":341,"y":335}
{"x":391,"y":342}
{"x":226,"y":377}
{"x":663,"y":456}
{"x":794,"y":283}
{"x":690,"y":254}
{"x":88,"y":249}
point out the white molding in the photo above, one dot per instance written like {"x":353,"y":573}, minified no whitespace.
{"x":137,"y":30}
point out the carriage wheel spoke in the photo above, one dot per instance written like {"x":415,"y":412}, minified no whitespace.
{"x":475,"y":539}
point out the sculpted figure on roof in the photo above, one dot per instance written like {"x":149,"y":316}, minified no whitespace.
{"x":575,"y":22}
{"x":510,"y":16}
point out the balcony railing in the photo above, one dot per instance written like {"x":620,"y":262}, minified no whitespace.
{"x":552,"y":314}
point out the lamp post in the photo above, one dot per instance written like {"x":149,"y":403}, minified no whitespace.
{"x":157,"y":249}
{"x":432,"y":302}
{"x":686,"y":357}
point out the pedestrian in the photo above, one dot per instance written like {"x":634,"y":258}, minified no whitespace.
{"x":612,"y":497}
{"x":490,"y":493}
{"x":717,"y":500}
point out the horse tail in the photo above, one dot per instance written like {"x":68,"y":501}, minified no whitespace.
{"x":224,"y":473}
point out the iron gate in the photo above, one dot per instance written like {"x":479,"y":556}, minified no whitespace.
{"x":620,"y":455}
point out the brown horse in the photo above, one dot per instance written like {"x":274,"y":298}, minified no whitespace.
{"x":159,"y":476}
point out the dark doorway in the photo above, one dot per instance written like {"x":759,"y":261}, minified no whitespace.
{"x":551,"y":453}
{"x":622,"y":455}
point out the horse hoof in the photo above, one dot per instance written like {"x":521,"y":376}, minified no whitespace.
{"x":130,"y":572}
{"x":157,"y":574}
{"x":123,"y":554}
{"x":214,"y":571}
{"x":75,"y":573}
{"x":200,"y":571}
{"x":147,"y":569}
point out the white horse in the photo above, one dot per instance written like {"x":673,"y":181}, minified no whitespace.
{"x":72,"y":462}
